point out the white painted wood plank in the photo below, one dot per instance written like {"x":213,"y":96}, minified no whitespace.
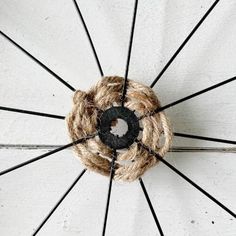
{"x":28,"y":194}
{"x":53,"y":33}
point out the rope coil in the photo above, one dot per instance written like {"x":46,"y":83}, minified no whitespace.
{"x":82,"y":121}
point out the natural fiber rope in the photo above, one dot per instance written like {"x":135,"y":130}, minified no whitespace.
{"x":96,"y":156}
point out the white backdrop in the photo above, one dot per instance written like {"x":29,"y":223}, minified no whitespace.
{"x":52,"y":31}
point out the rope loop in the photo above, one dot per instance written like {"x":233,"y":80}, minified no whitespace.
{"x":82,"y":121}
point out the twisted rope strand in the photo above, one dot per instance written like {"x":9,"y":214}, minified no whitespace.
{"x":133,"y":162}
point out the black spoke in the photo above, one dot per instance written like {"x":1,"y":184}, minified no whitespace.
{"x":59,"y":202}
{"x":32,"y":112}
{"x":129,"y":54}
{"x":89,"y":37}
{"x":189,"y":97}
{"x":38,"y":62}
{"x":109,"y":191}
{"x":187,"y":179}
{"x":184,"y":43}
{"x":191,"y":136}
{"x":44,"y":155}
{"x":151,"y":207}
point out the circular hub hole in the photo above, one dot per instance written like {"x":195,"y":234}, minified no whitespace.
{"x":118,"y":127}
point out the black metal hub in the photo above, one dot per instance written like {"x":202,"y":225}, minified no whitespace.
{"x":105,"y":124}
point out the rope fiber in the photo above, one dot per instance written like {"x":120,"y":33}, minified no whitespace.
{"x":83,"y":120}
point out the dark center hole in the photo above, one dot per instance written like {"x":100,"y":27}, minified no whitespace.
{"x":119,"y":127}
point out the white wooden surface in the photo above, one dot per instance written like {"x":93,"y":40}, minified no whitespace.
{"x":52,"y":31}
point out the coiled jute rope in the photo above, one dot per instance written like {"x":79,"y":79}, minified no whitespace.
{"x":82,"y":121}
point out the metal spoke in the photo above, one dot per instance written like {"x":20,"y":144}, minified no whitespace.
{"x":31,"y":112}
{"x":189,"y":97}
{"x":129,"y":54}
{"x":184,"y":43}
{"x":89,"y":37}
{"x":191,"y":136}
{"x":44,"y":155}
{"x":187,"y":179}
{"x":112,"y":172}
{"x":151,"y":207}
{"x":59,"y":202}
{"x":38,"y":62}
